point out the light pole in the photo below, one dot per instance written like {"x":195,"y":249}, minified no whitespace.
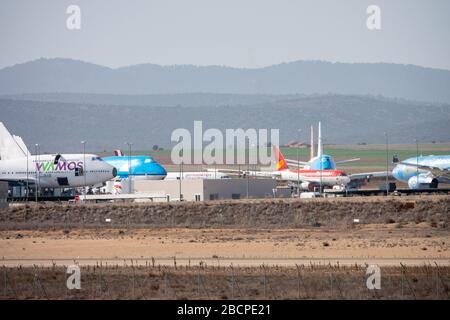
{"x":417,"y":161}
{"x":321,"y":169}
{"x":181,"y":177}
{"x":248,"y":166}
{"x":253,"y":150}
{"x":27,"y":178}
{"x":36,"y":184}
{"x":387,"y":164}
{"x":84,"y":168}
{"x":129,"y":166}
{"x":298,"y":162}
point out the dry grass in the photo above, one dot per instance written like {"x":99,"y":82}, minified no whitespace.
{"x":287,"y":213}
{"x":206,"y":282}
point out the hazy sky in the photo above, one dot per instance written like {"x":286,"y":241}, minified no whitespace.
{"x":240,"y":33}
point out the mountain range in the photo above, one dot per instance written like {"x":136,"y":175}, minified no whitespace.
{"x":58,"y":75}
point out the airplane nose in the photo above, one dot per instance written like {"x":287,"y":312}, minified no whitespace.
{"x":161,"y":170}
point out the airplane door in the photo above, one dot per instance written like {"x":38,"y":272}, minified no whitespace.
{"x":63,"y":181}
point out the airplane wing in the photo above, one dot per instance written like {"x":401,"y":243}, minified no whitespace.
{"x":31,"y":179}
{"x":296,"y":163}
{"x":302,"y":163}
{"x":348,"y":160}
{"x":226,"y":170}
{"x":251,"y":173}
{"x":435,"y":170}
{"x":370,"y":175}
{"x":11,"y":147}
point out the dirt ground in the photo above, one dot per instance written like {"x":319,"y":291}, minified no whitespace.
{"x":263,"y":249}
{"x":386,"y":243}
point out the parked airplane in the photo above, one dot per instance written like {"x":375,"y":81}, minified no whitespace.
{"x":311,"y":177}
{"x":423,"y":172}
{"x":325,"y":165}
{"x":320,"y":170}
{"x":49,"y":171}
{"x":141,"y":167}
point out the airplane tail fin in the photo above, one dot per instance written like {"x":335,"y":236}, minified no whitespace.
{"x":319,"y":142}
{"x":118,"y":153}
{"x":312,"y":143}
{"x":11,"y":147}
{"x":281,"y":162}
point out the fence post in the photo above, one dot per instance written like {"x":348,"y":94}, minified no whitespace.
{"x":198,"y":282}
{"x":165,"y":283}
{"x":331,"y":284}
{"x":4,"y":279}
{"x":265,"y":282}
{"x":232,"y":283}
{"x":437,"y":283}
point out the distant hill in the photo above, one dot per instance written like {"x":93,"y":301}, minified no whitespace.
{"x":154,"y":100}
{"x":300,"y":77}
{"x":346,"y":119}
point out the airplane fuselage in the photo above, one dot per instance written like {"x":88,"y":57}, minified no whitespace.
{"x":71,"y":170}
{"x":324,"y":177}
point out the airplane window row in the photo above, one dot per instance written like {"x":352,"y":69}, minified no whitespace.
{"x":43,"y":172}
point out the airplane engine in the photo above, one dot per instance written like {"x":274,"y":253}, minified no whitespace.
{"x":422,"y":182}
{"x":305,"y":186}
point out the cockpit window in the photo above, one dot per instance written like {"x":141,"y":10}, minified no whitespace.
{"x":96,"y":159}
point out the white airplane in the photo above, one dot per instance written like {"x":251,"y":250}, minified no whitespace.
{"x":423,"y":172}
{"x":18,"y":166}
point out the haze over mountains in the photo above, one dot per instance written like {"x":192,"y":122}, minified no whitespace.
{"x":346,"y":119}
{"x":59,"y":102}
{"x":300,"y":77}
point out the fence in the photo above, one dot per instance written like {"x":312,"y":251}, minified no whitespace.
{"x":153,"y":281}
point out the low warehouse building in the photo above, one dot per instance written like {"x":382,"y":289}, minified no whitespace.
{"x":208,"y":189}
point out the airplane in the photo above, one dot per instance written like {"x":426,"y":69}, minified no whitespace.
{"x":320,"y":170}
{"x":325,"y":165}
{"x":309,"y":177}
{"x":18,"y":166}
{"x":141,"y":167}
{"x":423,"y":172}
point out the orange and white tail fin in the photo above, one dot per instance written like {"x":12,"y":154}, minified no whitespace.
{"x":281,"y":164}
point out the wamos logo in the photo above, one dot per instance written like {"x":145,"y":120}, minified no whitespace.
{"x":60,"y":166}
